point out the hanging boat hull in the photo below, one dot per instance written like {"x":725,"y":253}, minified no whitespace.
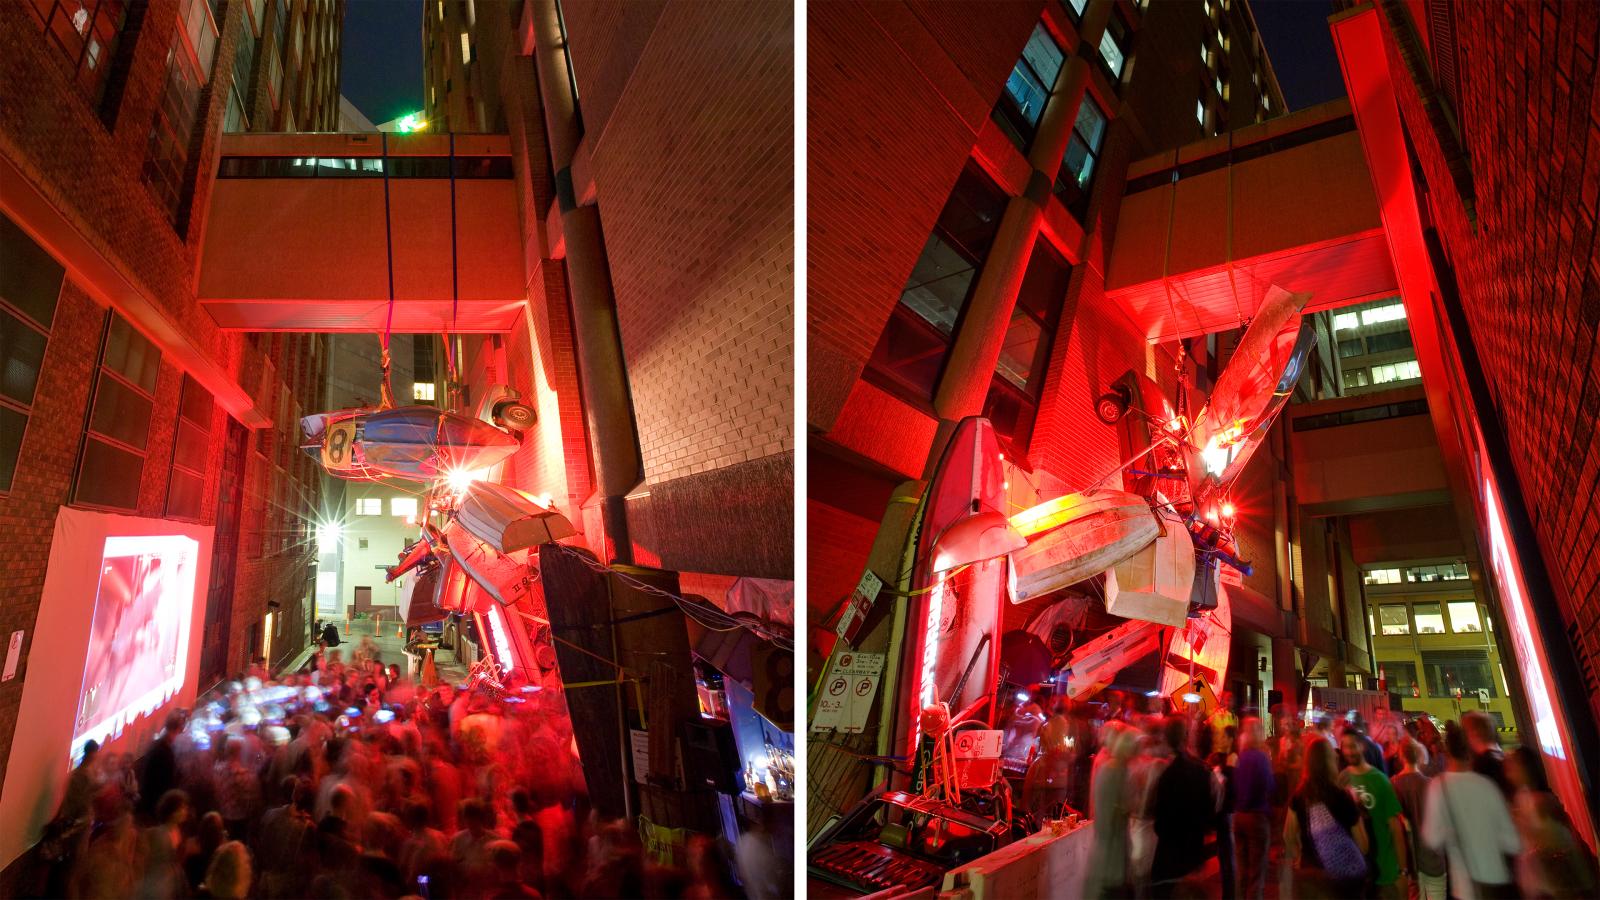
{"x":1092,"y":533}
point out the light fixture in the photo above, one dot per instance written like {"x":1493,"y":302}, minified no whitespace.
{"x":328,"y":534}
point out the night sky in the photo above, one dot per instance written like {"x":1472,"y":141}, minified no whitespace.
{"x":1301,"y":49}
{"x":382,"y":64}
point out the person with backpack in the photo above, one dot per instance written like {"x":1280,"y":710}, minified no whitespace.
{"x":1466,"y":817}
{"x":1411,"y":786}
{"x":1324,"y":841}
{"x":1372,"y":790}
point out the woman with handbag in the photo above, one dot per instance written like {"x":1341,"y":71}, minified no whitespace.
{"x":1324,"y":841}
{"x":1555,"y":863}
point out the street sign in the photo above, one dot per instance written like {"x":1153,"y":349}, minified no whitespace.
{"x":857,"y":607}
{"x":848,"y":692}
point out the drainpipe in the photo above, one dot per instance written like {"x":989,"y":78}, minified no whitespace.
{"x":977,"y":347}
{"x":608,"y":408}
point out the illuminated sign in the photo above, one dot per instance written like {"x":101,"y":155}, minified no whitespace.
{"x":502,"y":638}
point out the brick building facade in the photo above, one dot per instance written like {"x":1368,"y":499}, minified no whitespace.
{"x":137,"y":402}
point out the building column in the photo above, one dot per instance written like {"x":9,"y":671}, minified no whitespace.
{"x":977,"y":347}
{"x":608,"y":408}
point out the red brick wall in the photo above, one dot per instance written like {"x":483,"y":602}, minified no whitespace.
{"x":1529,"y":269}
{"x":91,"y":174}
{"x":697,"y":206}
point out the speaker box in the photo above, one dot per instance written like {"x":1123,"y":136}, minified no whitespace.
{"x":709,"y":757}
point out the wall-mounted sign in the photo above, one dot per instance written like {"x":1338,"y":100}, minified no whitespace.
{"x":848,"y":692}
{"x":857,"y":607}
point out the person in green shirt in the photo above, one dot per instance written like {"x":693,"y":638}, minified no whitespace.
{"x":1372,"y":790}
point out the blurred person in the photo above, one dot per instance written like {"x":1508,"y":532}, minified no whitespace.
{"x":1554,"y":863}
{"x":1488,"y":759}
{"x":469,"y":847}
{"x":1185,"y":808}
{"x":107,"y":867}
{"x":506,"y":858}
{"x":165,"y":850}
{"x":1109,"y":810}
{"x":1254,"y":787}
{"x":1220,"y":758}
{"x":283,"y":839}
{"x":1432,"y":741}
{"x":211,"y":835}
{"x":1372,"y":790}
{"x":1324,"y":840}
{"x":424,"y":845}
{"x":1411,"y":787}
{"x":526,"y":834}
{"x":159,"y":773}
{"x":1353,"y":722}
{"x":228,"y":874}
{"x":1221,"y":719}
{"x":1466,"y":817}
{"x":1145,"y":771}
{"x":238,"y":789}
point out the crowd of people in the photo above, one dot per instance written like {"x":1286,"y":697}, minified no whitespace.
{"x":1337,"y":807}
{"x":348,"y":780}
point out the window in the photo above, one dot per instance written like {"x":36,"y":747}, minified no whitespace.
{"x":1442,"y":572}
{"x":1075,"y":8}
{"x":244,"y":66}
{"x":369,"y":506}
{"x":84,"y":33}
{"x":1013,"y":400}
{"x":1390,"y":313}
{"x":274,"y":79}
{"x":1400,"y":371}
{"x":1205,"y":53}
{"x":1028,"y":88}
{"x":1113,"y":44}
{"x":1464,"y":617}
{"x":1083,"y":151}
{"x":1346,"y":321}
{"x":186,"y":488}
{"x":466,"y":48}
{"x":1463,"y":672}
{"x":405,"y":507}
{"x":30,"y":283}
{"x":361,"y":543}
{"x":1383,"y":343}
{"x":188,"y":67}
{"x":1352,"y":347}
{"x":1200,"y":112}
{"x":112,"y":462}
{"x":1400,"y":677}
{"x":910,"y":354}
{"x":1355,"y":378}
{"x":1429,"y":619}
{"x":1381,"y":576}
{"x":422,"y":390}
{"x":1394,"y":618}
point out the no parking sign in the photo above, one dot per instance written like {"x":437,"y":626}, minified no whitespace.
{"x":848,"y":692}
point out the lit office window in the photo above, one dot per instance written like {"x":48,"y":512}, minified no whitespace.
{"x":1394,"y":618}
{"x":1390,"y":313}
{"x":1400,"y":371}
{"x":1430,"y":619}
{"x":466,"y":48}
{"x":369,"y":506}
{"x":1205,"y":54}
{"x":1075,"y":8}
{"x":1200,"y":112}
{"x":1464,"y":617}
{"x":1216,"y":82}
{"x":1459,"y":671}
{"x":1444,"y":572}
{"x":422,"y":390}
{"x":405,"y":507}
{"x":1346,"y":321}
{"x":1381,"y":576}
{"x":1113,"y":44}
{"x":1083,"y":150}
{"x":1401,"y":677}
{"x":1028,"y":87}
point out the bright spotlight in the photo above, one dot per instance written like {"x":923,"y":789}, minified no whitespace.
{"x":1227,"y":510}
{"x":328,"y":534}
{"x":460,"y":479}
{"x":1022,"y":696}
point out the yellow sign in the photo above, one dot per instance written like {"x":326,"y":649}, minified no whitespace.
{"x":337,"y":452}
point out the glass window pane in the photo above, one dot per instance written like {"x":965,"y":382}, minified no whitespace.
{"x":1430,"y":619}
{"x":110,"y":476}
{"x":184,"y":495}
{"x":30,"y":278}
{"x":1400,"y":677}
{"x":1078,"y":163}
{"x":1042,"y":54}
{"x":121,"y":413}
{"x":1027,"y":92}
{"x":909,"y":354}
{"x":1346,"y":321}
{"x":1393,"y":619}
{"x":12,"y":426}
{"x":402,"y":506}
{"x":1464,"y":618}
{"x":21,"y":356}
{"x":1111,"y":53}
{"x":1091,"y":123}
{"x":938,"y":287}
{"x":191,"y":448}
{"x":1019,"y":350}
{"x":196,"y":405}
{"x":1077,"y":7}
{"x":131,"y":356}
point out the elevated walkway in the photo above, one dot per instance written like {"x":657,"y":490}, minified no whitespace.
{"x":306,"y":231}
{"x":1204,"y":229}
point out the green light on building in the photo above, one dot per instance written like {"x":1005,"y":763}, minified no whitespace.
{"x":411,"y":122}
